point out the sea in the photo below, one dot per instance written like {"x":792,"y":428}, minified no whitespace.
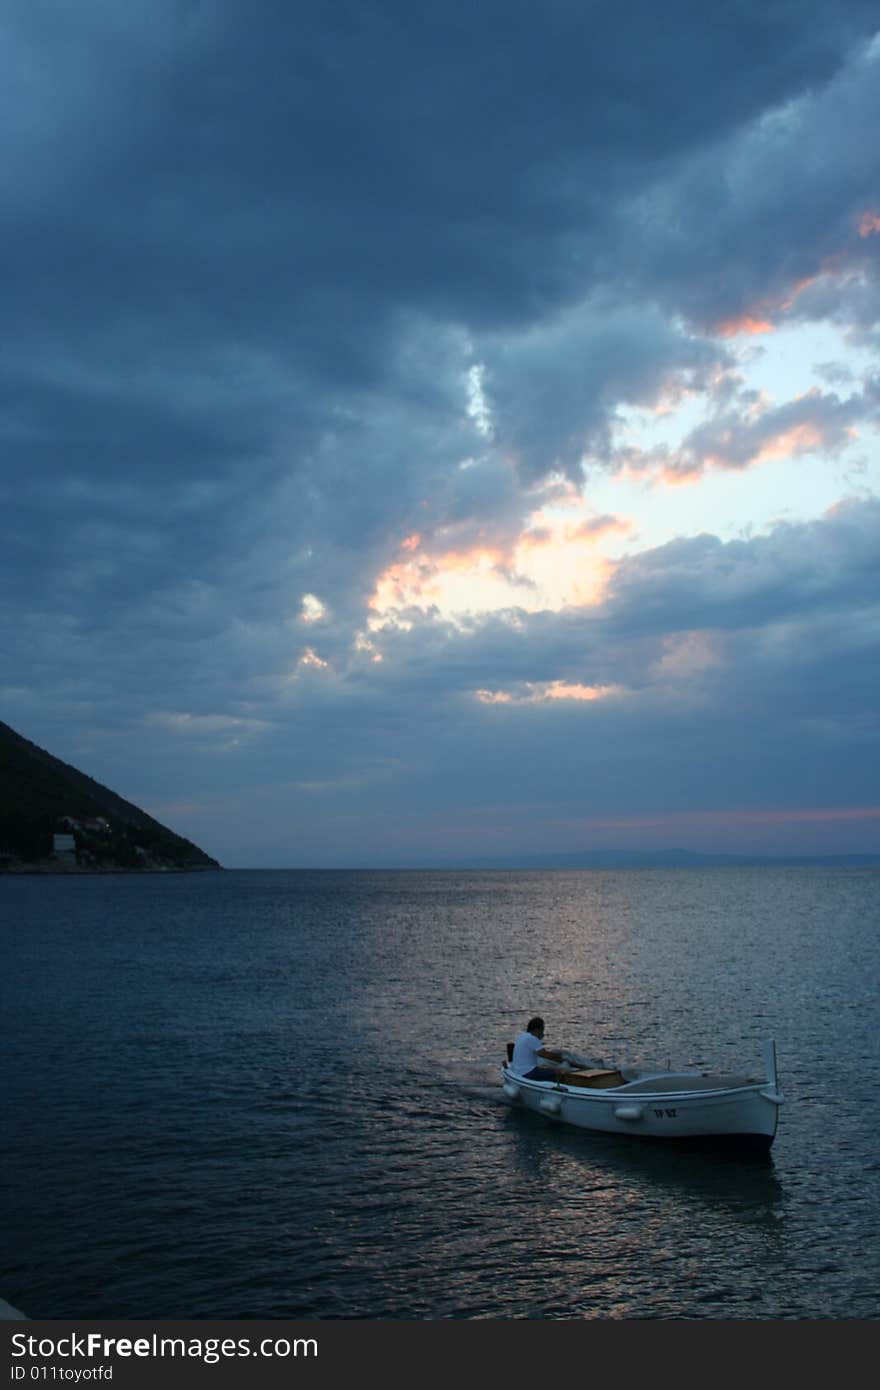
{"x":253,"y":1094}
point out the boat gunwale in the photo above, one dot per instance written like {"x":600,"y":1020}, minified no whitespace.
{"x":612,"y":1094}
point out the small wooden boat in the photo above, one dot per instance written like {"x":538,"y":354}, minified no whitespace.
{"x":707,"y":1107}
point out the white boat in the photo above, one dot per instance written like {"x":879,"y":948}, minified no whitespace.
{"x":705,"y":1107}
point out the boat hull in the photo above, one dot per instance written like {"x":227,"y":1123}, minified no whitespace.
{"x":743,"y":1117}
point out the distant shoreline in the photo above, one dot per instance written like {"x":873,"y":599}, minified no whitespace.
{"x":575,"y":864}
{"x":867,"y":861}
{"x":44,"y":870}
{"x":683,"y":860}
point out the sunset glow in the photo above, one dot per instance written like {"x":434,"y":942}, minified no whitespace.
{"x":442,"y":425}
{"x":869,"y":224}
{"x":748,"y":325}
{"x":310,"y":659}
{"x":533,"y":693}
{"x":557,"y":561}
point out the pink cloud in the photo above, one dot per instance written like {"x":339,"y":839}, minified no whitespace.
{"x":538,"y":692}
{"x":753,"y":432}
{"x":748,"y":324}
{"x":869,"y":224}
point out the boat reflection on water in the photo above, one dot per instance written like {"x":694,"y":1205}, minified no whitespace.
{"x":740,"y":1184}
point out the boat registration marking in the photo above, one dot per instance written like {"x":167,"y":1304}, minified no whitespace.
{"x":665,"y":1114}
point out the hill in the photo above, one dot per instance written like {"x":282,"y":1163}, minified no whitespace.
{"x":41,"y":797}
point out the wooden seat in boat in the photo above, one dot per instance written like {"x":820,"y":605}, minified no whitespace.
{"x":599,"y":1079}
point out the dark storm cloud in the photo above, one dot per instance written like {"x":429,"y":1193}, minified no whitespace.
{"x":554,"y":392}
{"x":251,"y":254}
{"x":284,"y":182}
{"x":745,"y":222}
{"x":704,"y":582}
{"x":299,"y":172}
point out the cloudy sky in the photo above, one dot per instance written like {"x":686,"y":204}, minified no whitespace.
{"x":433,"y":431}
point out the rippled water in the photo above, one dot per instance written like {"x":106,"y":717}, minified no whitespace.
{"x":276,"y":1095}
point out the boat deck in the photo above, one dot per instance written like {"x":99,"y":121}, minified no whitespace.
{"x":690,"y":1081}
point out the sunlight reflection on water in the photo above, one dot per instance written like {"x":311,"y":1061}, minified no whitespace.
{"x":277,"y":1095}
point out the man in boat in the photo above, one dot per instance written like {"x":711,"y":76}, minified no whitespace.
{"x":529,"y":1052}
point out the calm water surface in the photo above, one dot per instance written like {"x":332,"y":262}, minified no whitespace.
{"x":277,"y":1095}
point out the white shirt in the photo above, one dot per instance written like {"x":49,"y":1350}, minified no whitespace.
{"x":525,"y":1053}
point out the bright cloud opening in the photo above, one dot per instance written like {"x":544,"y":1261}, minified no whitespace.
{"x":535,"y":693}
{"x":311,"y":660}
{"x":747,"y":324}
{"x":560,"y":559}
{"x":478,"y":406}
{"x":313,"y":610}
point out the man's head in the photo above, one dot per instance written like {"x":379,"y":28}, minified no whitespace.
{"x":536,"y":1026}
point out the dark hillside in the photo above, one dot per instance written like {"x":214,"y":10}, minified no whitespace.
{"x":40,"y":796}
